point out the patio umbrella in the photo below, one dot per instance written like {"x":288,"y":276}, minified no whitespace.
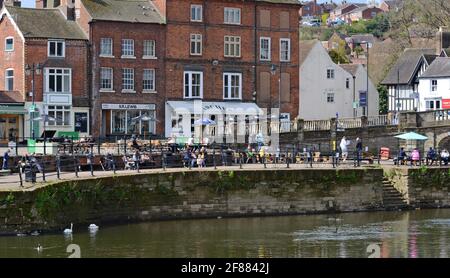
{"x":144,"y":117}
{"x":45,"y":118}
{"x":204,"y":121}
{"x":411,"y":136}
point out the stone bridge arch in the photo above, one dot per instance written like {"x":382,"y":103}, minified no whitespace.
{"x":443,"y":141}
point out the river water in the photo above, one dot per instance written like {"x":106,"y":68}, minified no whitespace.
{"x":415,"y":234}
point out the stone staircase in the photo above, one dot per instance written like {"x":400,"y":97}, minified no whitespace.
{"x":392,"y":198}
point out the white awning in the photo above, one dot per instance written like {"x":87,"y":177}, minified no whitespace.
{"x":215,"y":108}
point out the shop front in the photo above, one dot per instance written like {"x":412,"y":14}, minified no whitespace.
{"x":128,"y":119}
{"x":229,"y":119}
{"x":11,"y":122}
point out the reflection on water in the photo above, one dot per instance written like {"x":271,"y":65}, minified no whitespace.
{"x":398,"y":234}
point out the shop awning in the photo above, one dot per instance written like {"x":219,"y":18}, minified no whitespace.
{"x":215,"y":108}
{"x":11,"y":109}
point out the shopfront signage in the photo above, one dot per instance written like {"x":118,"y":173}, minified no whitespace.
{"x":109,"y":106}
{"x":446,"y":104}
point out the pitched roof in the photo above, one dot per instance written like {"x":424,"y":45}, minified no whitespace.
{"x":439,"y":68}
{"x":340,"y":35}
{"x":11,"y":97}
{"x":350,"y":68}
{"x":123,"y":10}
{"x":305,"y":48}
{"x":406,"y":66}
{"x":394,"y":3}
{"x":45,"y":23}
{"x":296,"y":2}
{"x":362,"y":38}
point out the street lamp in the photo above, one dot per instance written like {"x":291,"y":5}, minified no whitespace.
{"x":35,"y":68}
{"x":367,"y":76}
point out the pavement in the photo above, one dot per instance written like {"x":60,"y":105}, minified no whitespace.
{"x":12,"y":182}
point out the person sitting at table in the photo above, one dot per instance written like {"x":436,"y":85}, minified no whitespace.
{"x":445,"y":156}
{"x":415,"y":157}
{"x":431,"y":156}
{"x":401,"y":157}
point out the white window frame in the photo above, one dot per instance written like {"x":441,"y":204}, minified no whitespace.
{"x":152,"y":83}
{"x":269,"y":51}
{"x":227,"y":88}
{"x":288,"y":50}
{"x":57,"y":42}
{"x":149,"y":49}
{"x":52,"y":113}
{"x":198,"y":11}
{"x":126,"y":52}
{"x":7,"y":79}
{"x":196,"y":39}
{"x":110,"y":41}
{"x":235,"y":44}
{"x":6,"y":44}
{"x":191,"y":73}
{"x":63,"y":74}
{"x":434,"y":87}
{"x":111,"y":88}
{"x":131,"y":77}
{"x":330,"y":96}
{"x":231,"y":12}
{"x":330,"y":74}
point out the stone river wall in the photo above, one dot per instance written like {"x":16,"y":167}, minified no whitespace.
{"x":188,"y":195}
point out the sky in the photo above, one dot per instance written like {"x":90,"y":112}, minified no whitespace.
{"x":28,"y":3}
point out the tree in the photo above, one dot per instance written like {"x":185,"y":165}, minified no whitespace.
{"x":383,"y":99}
{"x":337,"y":57}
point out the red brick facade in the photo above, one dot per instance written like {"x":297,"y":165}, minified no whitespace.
{"x":212,"y":28}
{"x":11,"y":59}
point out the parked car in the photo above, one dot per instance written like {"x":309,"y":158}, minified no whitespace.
{"x":312,"y":23}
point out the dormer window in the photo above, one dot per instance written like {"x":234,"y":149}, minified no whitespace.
{"x":56,"y":49}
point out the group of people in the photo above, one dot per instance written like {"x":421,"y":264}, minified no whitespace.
{"x":343,"y":147}
{"x":433,"y":156}
{"x":193,"y":157}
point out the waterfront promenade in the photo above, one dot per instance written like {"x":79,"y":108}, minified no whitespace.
{"x":12,"y":182}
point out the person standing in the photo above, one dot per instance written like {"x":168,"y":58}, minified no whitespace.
{"x":90,"y":161}
{"x":445,"y":156}
{"x":5,"y":160}
{"x":136,"y":159}
{"x":344,"y":150}
{"x":359,"y":148}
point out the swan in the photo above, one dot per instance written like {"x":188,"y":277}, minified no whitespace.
{"x":39,"y":248}
{"x":35,"y":233}
{"x":69,"y":231}
{"x":93,"y":227}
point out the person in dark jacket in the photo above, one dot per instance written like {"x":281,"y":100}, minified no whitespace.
{"x":359,"y":148}
{"x":431,"y":156}
{"x":5,"y":160}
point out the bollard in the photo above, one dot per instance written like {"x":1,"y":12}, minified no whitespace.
{"x":240,"y":160}
{"x":214,"y":157}
{"x":58,"y":167}
{"x":20,"y":174}
{"x":287,"y":158}
{"x":43,"y":166}
{"x":76,"y":166}
{"x":164,"y":160}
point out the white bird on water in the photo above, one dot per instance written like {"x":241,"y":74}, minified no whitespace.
{"x":69,"y":231}
{"x":93,"y":227}
{"x":39,"y":248}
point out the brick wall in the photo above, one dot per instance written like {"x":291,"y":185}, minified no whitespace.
{"x":75,"y":58}
{"x":11,"y":59}
{"x":138,"y":32}
{"x":213,"y":31}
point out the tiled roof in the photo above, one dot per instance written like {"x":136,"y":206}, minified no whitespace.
{"x":11,"y":97}
{"x":45,"y":23}
{"x":305,"y":48}
{"x":350,"y":68}
{"x":406,"y":66}
{"x":439,"y":68}
{"x":123,"y":10}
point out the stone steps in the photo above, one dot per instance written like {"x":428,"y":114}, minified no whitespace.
{"x":392,"y":198}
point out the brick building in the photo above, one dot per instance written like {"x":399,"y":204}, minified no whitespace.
{"x":234,"y":56}
{"x":311,"y":9}
{"x":157,"y":58}
{"x":127,"y":65}
{"x":58,"y":50}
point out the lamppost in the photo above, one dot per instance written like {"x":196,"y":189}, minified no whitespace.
{"x":367,"y":77}
{"x":35,"y":68}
